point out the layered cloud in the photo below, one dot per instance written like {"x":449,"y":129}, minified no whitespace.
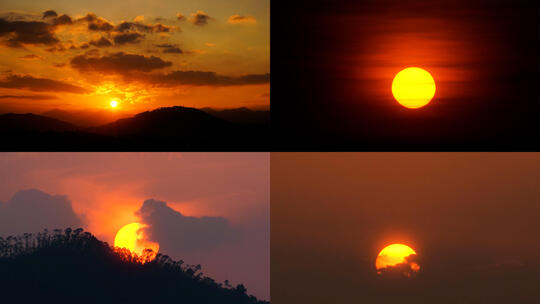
{"x":39,"y":84}
{"x":46,"y":50}
{"x":19,"y":30}
{"x":19,"y":33}
{"x":118,"y":63}
{"x":123,"y":64}
{"x":203,"y":78}
{"x":28,"y":97}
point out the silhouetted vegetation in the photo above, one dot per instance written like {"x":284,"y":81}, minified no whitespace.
{"x":74,"y":266}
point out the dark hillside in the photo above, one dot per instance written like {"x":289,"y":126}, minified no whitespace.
{"x":73,"y":266}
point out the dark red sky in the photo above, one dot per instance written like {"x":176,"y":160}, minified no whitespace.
{"x":227,"y":193}
{"x":334,"y":63}
{"x":471,"y":217}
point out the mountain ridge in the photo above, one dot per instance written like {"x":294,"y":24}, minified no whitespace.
{"x":167,"y":128}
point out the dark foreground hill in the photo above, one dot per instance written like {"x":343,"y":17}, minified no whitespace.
{"x":164,"y":129}
{"x":74,"y":267}
{"x":34,"y":123}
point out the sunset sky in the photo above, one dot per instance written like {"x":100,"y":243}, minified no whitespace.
{"x":336,"y":61}
{"x":78,"y":55}
{"x":204,"y":208}
{"x":472,"y":219}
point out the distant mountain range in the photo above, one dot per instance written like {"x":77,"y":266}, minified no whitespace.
{"x":172,"y":128}
{"x":94,"y":118}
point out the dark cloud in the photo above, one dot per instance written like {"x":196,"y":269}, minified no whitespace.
{"x":136,"y":26}
{"x":200,"y":18}
{"x":181,"y":234}
{"x":206,"y":78}
{"x":49,"y":13}
{"x":96,"y":23}
{"x":180,"y":16}
{"x":31,"y":97}
{"x":118,"y":63}
{"x":235,"y":19}
{"x":128,"y":38}
{"x":39,"y":211}
{"x":27,"y":32}
{"x":101,"y":42}
{"x":62,"y":19}
{"x":169,"y":48}
{"x":39,"y":84}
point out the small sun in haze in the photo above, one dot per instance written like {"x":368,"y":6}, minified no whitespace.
{"x":113,"y":103}
{"x":413,"y":87}
{"x":397,"y":259}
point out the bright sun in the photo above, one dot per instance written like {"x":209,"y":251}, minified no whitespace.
{"x":413,"y":87}
{"x":132,"y":237}
{"x":396,"y":254}
{"x":114,"y":103}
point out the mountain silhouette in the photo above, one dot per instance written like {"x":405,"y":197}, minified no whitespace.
{"x":34,"y":123}
{"x":241,"y":115}
{"x":86,"y":118}
{"x":72,"y":266}
{"x":172,"y":128}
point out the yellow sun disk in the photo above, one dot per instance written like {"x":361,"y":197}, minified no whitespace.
{"x":131,"y":237}
{"x":392,"y":255}
{"x":413,"y":87}
{"x":114,"y":103}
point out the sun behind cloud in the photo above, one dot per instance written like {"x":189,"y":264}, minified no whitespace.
{"x":132,"y":237}
{"x":396,"y":255}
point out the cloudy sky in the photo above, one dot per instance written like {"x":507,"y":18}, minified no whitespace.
{"x":78,"y":55}
{"x":204,"y":208}
{"x":472,"y":218}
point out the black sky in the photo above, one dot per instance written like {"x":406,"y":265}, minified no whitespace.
{"x":330,"y":90}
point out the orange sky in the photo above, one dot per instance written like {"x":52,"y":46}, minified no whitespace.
{"x":81,"y":56}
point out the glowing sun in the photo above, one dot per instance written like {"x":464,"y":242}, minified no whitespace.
{"x":413,"y":87}
{"x":132,"y":237}
{"x":113,"y":103}
{"x":397,"y":255}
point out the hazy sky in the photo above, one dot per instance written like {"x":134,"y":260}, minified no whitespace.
{"x":472,"y":219}
{"x":227,"y":193}
{"x":146,"y":54}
